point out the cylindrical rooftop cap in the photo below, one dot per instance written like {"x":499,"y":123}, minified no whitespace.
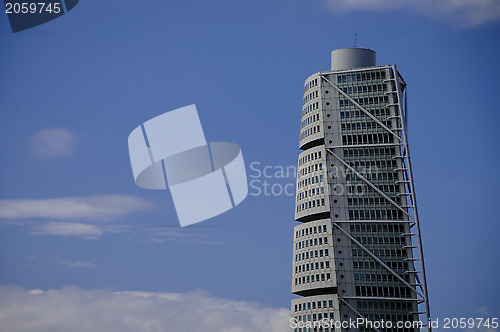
{"x":350,"y":58}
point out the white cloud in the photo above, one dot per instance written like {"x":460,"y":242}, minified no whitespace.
{"x":77,"y":310}
{"x":71,"y":216}
{"x":175,"y":234}
{"x":68,"y":229}
{"x":54,"y":142}
{"x":99,"y":207}
{"x":462,"y":13}
{"x":76,"y":264}
{"x":90,"y":217}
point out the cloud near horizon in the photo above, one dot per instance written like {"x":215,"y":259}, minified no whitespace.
{"x":459,"y":13}
{"x":78,"y":310}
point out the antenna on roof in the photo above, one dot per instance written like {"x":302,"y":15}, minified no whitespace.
{"x":355,"y":40}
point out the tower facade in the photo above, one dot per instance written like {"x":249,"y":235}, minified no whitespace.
{"x":357,"y":253}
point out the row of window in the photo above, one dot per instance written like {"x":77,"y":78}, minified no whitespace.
{"x":351,"y":190}
{"x":310,"y":84}
{"x":386,"y":188}
{"x":310,"y":108}
{"x":311,"y":168}
{"x":388,"y":214}
{"x":374,"y":163}
{"x":313,"y":318}
{"x":376,"y":138}
{"x":309,"y":120}
{"x":385,"y":305}
{"x":381,"y":240}
{"x":309,"y":157}
{"x":377,"y":112}
{"x":390,"y":190}
{"x":368,"y":200}
{"x":352,"y":114}
{"x":310,"y":230}
{"x":383,"y":277}
{"x":381,"y":176}
{"x":358,"y":189}
{"x":386,"y":228}
{"x":310,"y":180}
{"x":313,"y":305}
{"x":365,"y":101}
{"x":381,"y":151}
{"x":311,"y":278}
{"x":311,"y":242}
{"x":384,"y":291}
{"x":312,"y":192}
{"x":311,"y":204}
{"x":311,"y":266}
{"x":365,"y":88}
{"x":394,"y":265}
{"x":311,"y":254}
{"x":310,"y":96}
{"x":365,"y":189}
{"x":364,"y":76}
{"x":391,"y":253}
{"x":310,"y":131}
{"x":360,"y":125}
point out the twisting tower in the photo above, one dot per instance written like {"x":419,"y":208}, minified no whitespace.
{"x":357,"y":248}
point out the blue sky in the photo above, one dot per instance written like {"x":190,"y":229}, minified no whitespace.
{"x":77,"y":233}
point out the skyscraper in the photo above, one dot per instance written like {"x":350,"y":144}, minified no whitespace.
{"x":357,"y":248}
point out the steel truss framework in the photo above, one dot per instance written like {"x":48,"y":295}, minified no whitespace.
{"x":409,"y":209}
